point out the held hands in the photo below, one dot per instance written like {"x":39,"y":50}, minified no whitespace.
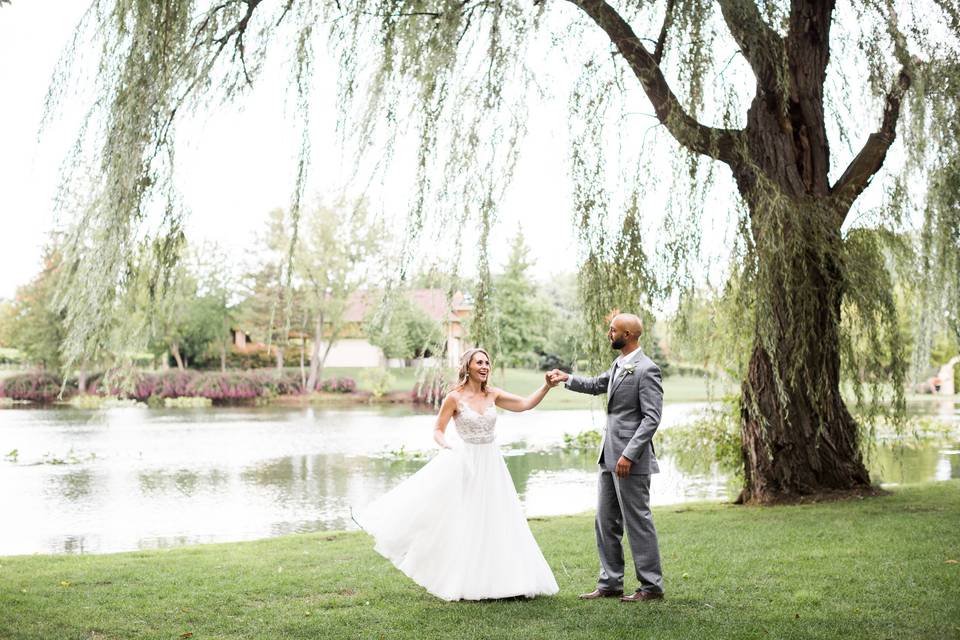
{"x":556,"y":376}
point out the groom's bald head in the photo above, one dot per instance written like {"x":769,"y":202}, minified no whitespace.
{"x":625,"y":331}
{"x":628,"y":322}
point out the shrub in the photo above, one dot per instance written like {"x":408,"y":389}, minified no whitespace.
{"x":432,"y":389}
{"x":170,"y":384}
{"x":284,"y":383}
{"x":186,"y":403}
{"x":549,"y":361}
{"x":714,"y":436}
{"x":247,"y":359}
{"x":37,"y":386}
{"x":141,"y":386}
{"x":10,"y":356}
{"x":338,"y":385}
{"x":226,"y":386}
{"x":378,"y":381}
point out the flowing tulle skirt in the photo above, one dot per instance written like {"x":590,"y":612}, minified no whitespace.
{"x":456,"y":527}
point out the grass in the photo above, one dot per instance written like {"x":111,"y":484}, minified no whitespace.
{"x":874,"y":568}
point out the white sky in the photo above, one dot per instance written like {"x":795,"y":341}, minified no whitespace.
{"x":234,"y":164}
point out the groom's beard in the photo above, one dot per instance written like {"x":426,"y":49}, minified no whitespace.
{"x":617,"y":344}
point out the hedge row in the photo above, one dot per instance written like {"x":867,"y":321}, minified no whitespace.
{"x":245,"y":385}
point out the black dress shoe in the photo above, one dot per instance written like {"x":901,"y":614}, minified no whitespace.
{"x":600,"y":593}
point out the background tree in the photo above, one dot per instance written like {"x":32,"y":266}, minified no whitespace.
{"x":36,"y":328}
{"x":187,"y":323}
{"x":407,"y":333}
{"x":7,"y":315}
{"x":217,"y":288}
{"x":765,"y":115}
{"x":563,"y":329}
{"x":519,"y":315}
{"x":339,"y":247}
{"x":268,"y":303}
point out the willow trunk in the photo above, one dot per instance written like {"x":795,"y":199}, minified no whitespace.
{"x":798,"y":436}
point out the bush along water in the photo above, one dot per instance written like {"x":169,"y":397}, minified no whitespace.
{"x":156,"y":388}
{"x":39,"y":386}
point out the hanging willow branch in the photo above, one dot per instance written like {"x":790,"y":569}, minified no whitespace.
{"x":735,"y":85}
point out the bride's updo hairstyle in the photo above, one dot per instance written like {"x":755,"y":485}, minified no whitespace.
{"x":464,"y":373}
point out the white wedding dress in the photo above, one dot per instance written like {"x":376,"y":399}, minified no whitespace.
{"x":456,"y":527}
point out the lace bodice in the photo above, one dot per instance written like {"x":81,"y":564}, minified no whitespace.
{"x":474,"y":427}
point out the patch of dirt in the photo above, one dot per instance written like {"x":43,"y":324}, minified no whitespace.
{"x":839,"y":495}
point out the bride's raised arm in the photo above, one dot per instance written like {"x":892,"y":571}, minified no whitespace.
{"x":447,"y":409}
{"x":511,"y":402}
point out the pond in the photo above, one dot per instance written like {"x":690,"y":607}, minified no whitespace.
{"x":97,"y":481}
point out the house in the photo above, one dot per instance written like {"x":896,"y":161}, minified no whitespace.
{"x":948,"y":386}
{"x":353,"y":349}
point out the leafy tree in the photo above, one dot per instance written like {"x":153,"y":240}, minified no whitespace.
{"x":217,"y":288}
{"x":267,"y":304}
{"x":407,"y":333}
{"x":7,"y":315}
{"x":338,"y":246}
{"x":36,"y":328}
{"x":742,"y":89}
{"x":563,"y":326}
{"x":184,"y":328}
{"x":519,"y":315}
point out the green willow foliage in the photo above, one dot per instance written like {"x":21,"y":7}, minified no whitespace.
{"x":460,"y":74}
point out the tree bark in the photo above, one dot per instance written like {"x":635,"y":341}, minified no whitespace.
{"x":798,"y":436}
{"x":315,"y":354}
{"x":175,"y":352}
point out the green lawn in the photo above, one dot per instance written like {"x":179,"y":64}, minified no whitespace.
{"x":874,"y":568}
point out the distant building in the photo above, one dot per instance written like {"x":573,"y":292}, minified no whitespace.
{"x":354,"y":349}
{"x":948,"y":386}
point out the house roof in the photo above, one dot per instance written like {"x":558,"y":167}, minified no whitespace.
{"x":433,"y":302}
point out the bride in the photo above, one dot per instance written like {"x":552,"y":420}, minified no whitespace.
{"x":456,"y":527}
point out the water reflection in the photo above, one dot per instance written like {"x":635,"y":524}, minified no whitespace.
{"x":160,"y":478}
{"x":73,"y":486}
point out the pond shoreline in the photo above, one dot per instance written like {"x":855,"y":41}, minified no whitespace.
{"x":353,"y":399}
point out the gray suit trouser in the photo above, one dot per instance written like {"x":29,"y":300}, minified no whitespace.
{"x":626,"y":501}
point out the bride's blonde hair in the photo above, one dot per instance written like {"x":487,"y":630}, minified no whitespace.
{"x":464,"y":373}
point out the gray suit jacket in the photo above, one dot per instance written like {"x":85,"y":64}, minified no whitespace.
{"x":634,"y":404}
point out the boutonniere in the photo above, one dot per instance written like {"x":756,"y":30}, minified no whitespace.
{"x":629,"y":368}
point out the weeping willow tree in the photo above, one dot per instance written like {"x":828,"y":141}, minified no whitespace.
{"x":757,"y":93}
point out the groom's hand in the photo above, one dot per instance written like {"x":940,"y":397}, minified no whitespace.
{"x":557,"y":376}
{"x":623,"y":467}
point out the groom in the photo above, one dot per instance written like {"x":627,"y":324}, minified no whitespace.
{"x":627,"y":458}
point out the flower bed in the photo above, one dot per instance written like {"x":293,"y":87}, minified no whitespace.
{"x":37,"y":386}
{"x":232,"y":386}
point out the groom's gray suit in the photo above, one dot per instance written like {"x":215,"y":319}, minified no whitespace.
{"x":634,"y":403}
